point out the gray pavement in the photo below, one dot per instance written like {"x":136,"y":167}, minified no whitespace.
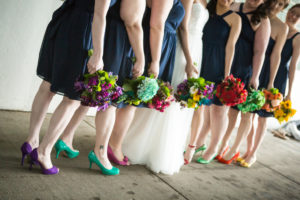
{"x":276,"y":174}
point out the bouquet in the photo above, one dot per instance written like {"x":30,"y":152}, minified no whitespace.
{"x":98,"y":90}
{"x":273,"y":99}
{"x":194,"y":92}
{"x":231,"y":91}
{"x":140,"y":90}
{"x":163,"y":97}
{"x":255,"y":100}
{"x":284,"y":112}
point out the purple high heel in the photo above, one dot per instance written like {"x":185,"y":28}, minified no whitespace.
{"x":26,"y":149}
{"x":111,"y":156}
{"x":34,"y":160}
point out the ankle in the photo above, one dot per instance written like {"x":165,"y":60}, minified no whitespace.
{"x":33,"y":143}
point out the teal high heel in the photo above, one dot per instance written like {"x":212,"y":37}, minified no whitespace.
{"x":203,"y":161}
{"x":201,"y":148}
{"x":61,"y":146}
{"x":93,"y":159}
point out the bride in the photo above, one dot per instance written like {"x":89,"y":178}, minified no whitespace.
{"x":158,"y":139}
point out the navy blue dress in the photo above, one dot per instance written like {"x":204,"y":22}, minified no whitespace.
{"x":63,"y":55}
{"x":242,"y":63}
{"x":215,"y":36}
{"x":169,"y":41}
{"x":264,"y":76}
{"x":283,"y":70}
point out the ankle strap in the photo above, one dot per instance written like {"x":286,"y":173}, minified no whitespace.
{"x":192,"y":146}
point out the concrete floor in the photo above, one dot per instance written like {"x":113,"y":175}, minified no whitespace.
{"x":276,"y":174}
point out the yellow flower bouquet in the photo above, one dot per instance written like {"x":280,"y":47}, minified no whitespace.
{"x":285,"y":111}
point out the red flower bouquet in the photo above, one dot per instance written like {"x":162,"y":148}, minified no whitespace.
{"x":231,"y":91}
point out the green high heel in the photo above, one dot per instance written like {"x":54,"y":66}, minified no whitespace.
{"x":93,"y":159}
{"x":61,"y":146}
{"x":201,"y":148}
{"x":203,"y":161}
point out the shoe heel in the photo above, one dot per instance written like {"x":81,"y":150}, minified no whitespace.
{"x":91,"y":164}
{"x":23,"y":158}
{"x":57,"y":154}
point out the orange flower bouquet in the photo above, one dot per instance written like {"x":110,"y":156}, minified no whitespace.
{"x":285,"y":111}
{"x":273,"y":99}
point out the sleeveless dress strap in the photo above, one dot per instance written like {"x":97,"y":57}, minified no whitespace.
{"x":295,"y":35}
{"x":226,"y":14}
{"x":241,"y":7}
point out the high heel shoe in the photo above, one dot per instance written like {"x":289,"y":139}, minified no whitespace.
{"x":218,"y":157}
{"x":111,"y":156}
{"x":203,"y":161}
{"x":245,"y":164}
{"x":201,"y":148}
{"x":35,"y":161}
{"x":26,"y":149}
{"x":93,"y":159}
{"x":61,"y":146}
{"x":228,"y":162}
{"x":186,"y":162}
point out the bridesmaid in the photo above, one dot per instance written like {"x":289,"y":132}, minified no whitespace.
{"x":123,"y":31}
{"x":73,"y":24}
{"x":290,"y":53}
{"x":250,"y":53}
{"x":159,"y":45}
{"x":216,"y":63}
{"x":279,"y":32}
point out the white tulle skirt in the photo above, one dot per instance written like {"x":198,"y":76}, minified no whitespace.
{"x":156,"y":139}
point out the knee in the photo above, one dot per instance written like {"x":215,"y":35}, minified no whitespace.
{"x":45,"y":89}
{"x":70,"y":102}
{"x":157,"y":24}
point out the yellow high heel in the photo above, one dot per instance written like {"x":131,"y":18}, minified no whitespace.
{"x":245,"y":164}
{"x":240,"y":159}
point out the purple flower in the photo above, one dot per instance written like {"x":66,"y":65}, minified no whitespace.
{"x":103,"y":107}
{"x":93,"y":81}
{"x":79,"y":86}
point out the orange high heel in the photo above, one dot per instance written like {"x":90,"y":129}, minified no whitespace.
{"x":218,"y":157}
{"x":186,"y":162}
{"x":228,"y":162}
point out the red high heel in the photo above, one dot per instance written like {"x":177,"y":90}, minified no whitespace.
{"x":228,"y":162}
{"x":218,"y":157}
{"x":185,"y":160}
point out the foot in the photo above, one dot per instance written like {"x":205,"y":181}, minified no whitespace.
{"x":102,"y":157}
{"x":230,"y":154}
{"x":188,"y":155}
{"x":69,"y":144}
{"x":222,"y":149}
{"x":250,"y":160}
{"x":45,"y":160}
{"x":118,"y":154}
{"x":33,"y":143}
{"x":209,"y":154}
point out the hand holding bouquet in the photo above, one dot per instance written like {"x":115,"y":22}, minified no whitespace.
{"x":98,"y":90}
{"x":255,"y":100}
{"x":284,"y":112}
{"x":231,"y":91}
{"x":273,"y":99}
{"x":194,"y":92}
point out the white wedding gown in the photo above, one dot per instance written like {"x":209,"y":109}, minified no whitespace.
{"x":156,"y":139}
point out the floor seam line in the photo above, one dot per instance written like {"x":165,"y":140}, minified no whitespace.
{"x":86,"y":121}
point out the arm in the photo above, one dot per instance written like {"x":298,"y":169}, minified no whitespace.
{"x":184,"y":38}
{"x":131,"y":13}
{"x":276,"y":55}
{"x":261,"y":41}
{"x":159,"y":13}
{"x":293,"y":65}
{"x":236,"y":24}
{"x":98,"y":30}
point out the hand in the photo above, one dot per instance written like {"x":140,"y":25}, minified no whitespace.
{"x":94,"y":64}
{"x":138,"y":69}
{"x":288,"y":97}
{"x":270,"y":86}
{"x":154,"y":69}
{"x":253,"y":83}
{"x":190,"y":70}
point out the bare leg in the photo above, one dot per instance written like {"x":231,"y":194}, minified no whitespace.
{"x":205,"y":127}
{"x":38,"y":112}
{"x":123,"y":120}
{"x":104,"y":125}
{"x":250,"y":138}
{"x":218,"y":120}
{"x":232,"y":115}
{"x":60,"y":119}
{"x":243,"y":130}
{"x":69,"y":132}
{"x":259,"y":136}
{"x":195,"y":131}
